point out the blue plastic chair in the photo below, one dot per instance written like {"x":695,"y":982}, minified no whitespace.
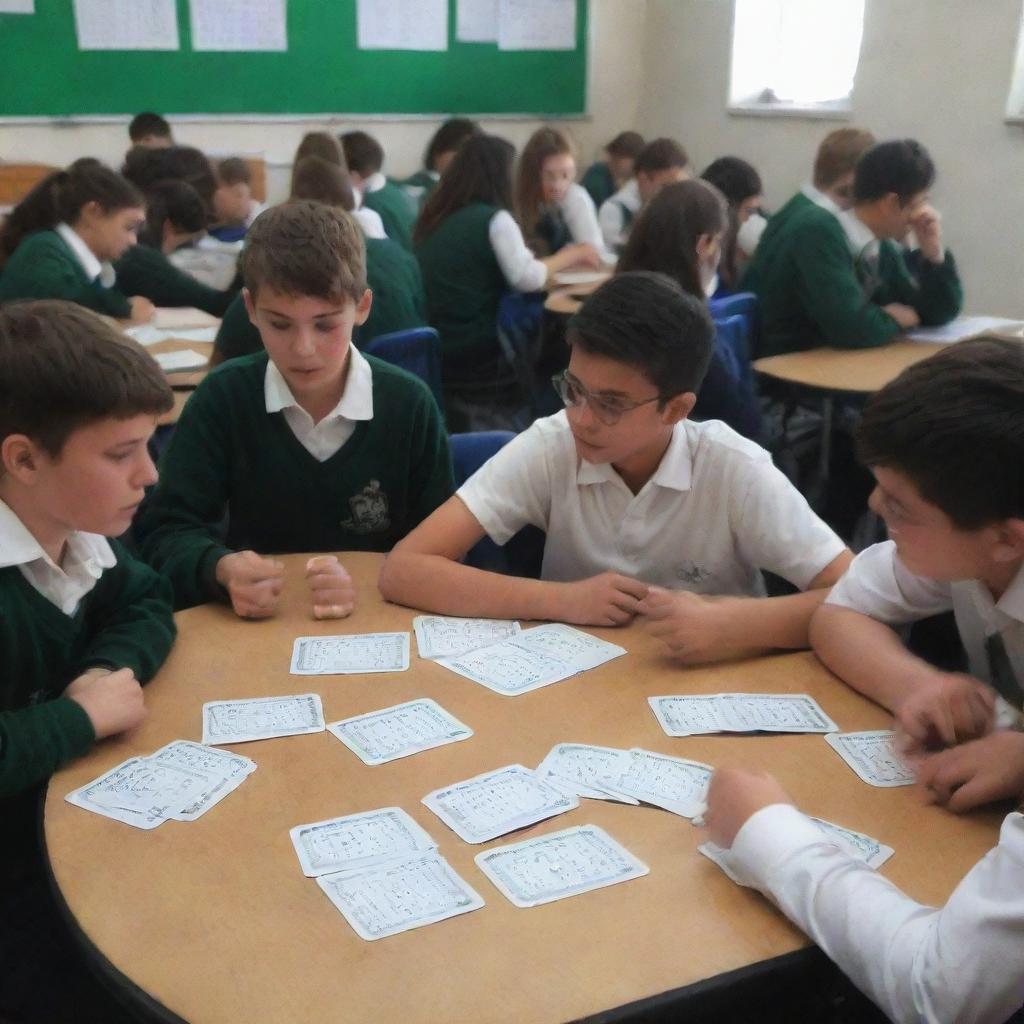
{"x":417,"y":350}
{"x":523,"y":553}
{"x":742,"y":304}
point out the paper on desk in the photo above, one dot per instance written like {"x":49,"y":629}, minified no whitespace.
{"x":226,"y":772}
{"x":586,"y":770}
{"x":399,"y":731}
{"x":445,"y":636}
{"x":147,"y":334}
{"x":179,"y":318}
{"x":740,"y":712}
{"x":262,"y":718}
{"x":672,"y":783}
{"x":496,"y":802}
{"x":182,"y":359}
{"x":872,"y":756}
{"x":536,"y":657}
{"x":964,"y":327}
{"x":559,"y":865}
{"x":354,"y":653}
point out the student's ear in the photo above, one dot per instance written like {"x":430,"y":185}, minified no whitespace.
{"x":1009,"y":546}
{"x":678,"y":408}
{"x":19,"y":456}
{"x":363,"y":307}
{"x":250,"y":306}
{"x":705,"y":244}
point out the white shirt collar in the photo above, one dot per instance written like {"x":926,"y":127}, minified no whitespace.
{"x":861,"y":238}
{"x":819,"y":198}
{"x":356,"y":402}
{"x":93,"y":268}
{"x":375,"y":182}
{"x":674,"y":471}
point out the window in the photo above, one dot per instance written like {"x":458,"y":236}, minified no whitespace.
{"x":798,"y":55}
{"x":1015,"y":100}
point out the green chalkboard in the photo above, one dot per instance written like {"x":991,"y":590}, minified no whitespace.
{"x":43,"y":73}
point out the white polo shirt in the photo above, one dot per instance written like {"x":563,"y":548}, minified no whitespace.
{"x":715,"y":511}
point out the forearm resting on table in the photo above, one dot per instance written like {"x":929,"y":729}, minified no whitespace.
{"x":758,"y":624}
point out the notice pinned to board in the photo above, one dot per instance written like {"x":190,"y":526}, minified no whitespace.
{"x":476,"y":21}
{"x":402,"y":24}
{"x":17,"y":6}
{"x":127,"y":24}
{"x":235,"y":25}
{"x":537,"y":24}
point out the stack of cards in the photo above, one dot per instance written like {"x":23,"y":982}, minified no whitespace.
{"x":181,"y":781}
{"x":586,"y":770}
{"x":262,"y":718}
{"x":534,"y":658}
{"x":873,"y":757}
{"x":740,"y":712}
{"x":350,"y":655}
{"x":442,"y":636}
{"x":405,"y":729}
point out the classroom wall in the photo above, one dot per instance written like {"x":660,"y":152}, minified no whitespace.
{"x":616,"y":42}
{"x":938,"y":70}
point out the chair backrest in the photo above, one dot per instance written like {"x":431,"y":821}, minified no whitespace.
{"x":743,"y":304}
{"x":732,"y":342}
{"x":17,"y":180}
{"x":417,"y":350}
{"x":471,"y":451}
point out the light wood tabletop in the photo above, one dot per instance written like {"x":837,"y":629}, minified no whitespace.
{"x":215,"y":920}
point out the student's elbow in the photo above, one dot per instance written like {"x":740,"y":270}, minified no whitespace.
{"x":825,"y":627}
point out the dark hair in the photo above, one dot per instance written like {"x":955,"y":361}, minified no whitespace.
{"x":902,"y":166}
{"x":954,"y":425}
{"x":322,"y":182}
{"x":234,"y":171}
{"x":838,"y":154}
{"x":625,"y":144}
{"x":148,"y":123}
{"x":734,"y":178}
{"x":363,"y":153}
{"x":529,"y":191}
{"x":323,"y":145}
{"x":305,"y":248}
{"x":63,"y":367}
{"x":448,"y":138}
{"x":664,"y":236}
{"x":660,"y":155}
{"x":60,"y":197}
{"x":647,"y":321}
{"x":481,"y":172}
{"x":145,"y":167}
{"x":174,"y":201}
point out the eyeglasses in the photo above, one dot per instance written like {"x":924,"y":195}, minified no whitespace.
{"x":608,"y":410}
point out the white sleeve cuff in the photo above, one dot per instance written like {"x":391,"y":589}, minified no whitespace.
{"x":770,"y":837}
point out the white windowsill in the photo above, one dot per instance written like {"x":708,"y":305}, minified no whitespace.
{"x":812,"y":112}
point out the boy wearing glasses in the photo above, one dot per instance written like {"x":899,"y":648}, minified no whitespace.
{"x":646,"y":512}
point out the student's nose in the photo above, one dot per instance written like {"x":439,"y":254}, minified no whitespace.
{"x":147,"y":474}
{"x":584,"y":415}
{"x":303,"y":344}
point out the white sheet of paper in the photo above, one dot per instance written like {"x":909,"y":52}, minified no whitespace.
{"x":586,"y":769}
{"x":179,"y":318}
{"x":147,"y":334}
{"x":968,"y":327}
{"x":399,"y":731}
{"x":216,"y":268}
{"x":494,"y":803}
{"x":262,"y":718}
{"x":239,"y":25}
{"x":182,"y":359}
{"x":566,"y":277}
{"x":476,"y":21}
{"x":672,"y":783}
{"x":740,"y":712}
{"x":536,"y":657}
{"x":536,"y":24}
{"x":127,"y":24}
{"x":402,"y":24}
{"x":397,"y":896}
{"x":355,"y":653}
{"x":357,"y":841}
{"x":872,"y":756}
{"x":559,"y":865}
{"x":17,"y":6}
{"x":444,"y":636}
{"x":227,"y":771}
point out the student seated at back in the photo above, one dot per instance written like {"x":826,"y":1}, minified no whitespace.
{"x":741,"y":185}
{"x":234,"y":207}
{"x":605,"y":177}
{"x":658,"y":164}
{"x":440,"y":152}
{"x":151,"y":131}
{"x":365,"y":157}
{"x":679,"y":233}
{"x":842,"y":280}
{"x":175,"y":216}
{"x":82,"y":623}
{"x":471,"y":252}
{"x":552,"y":209}
{"x":646,"y":512}
{"x":61,"y":240}
{"x":308,"y":446}
{"x":945,"y":442}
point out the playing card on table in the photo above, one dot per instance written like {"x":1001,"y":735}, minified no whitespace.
{"x":872,"y":756}
{"x":672,"y":783}
{"x":586,"y":770}
{"x":444,"y":636}
{"x":353,"y":654}
{"x":262,"y":718}
{"x":740,"y":712}
{"x":227,"y":771}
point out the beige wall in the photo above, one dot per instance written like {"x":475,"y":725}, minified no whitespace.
{"x":938,"y":70}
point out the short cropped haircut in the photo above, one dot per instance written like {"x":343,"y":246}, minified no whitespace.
{"x":63,"y":367}
{"x":954,"y":425}
{"x":174,"y":201}
{"x":645,"y":320}
{"x":660,"y":155}
{"x":148,"y":123}
{"x":625,"y":144}
{"x":306,"y":248}
{"x":323,"y":182}
{"x":902,"y":166}
{"x":234,"y":171}
{"x":736,"y":179}
{"x":363,"y":153}
{"x":838,"y":155}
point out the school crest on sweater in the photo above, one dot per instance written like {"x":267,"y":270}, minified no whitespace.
{"x":370,"y":512}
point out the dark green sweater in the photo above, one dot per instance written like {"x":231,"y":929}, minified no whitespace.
{"x":145,"y":271}
{"x":228,"y":455}
{"x":44,"y":267}
{"x":598,"y":181}
{"x":397,"y":211}
{"x":813,"y":293}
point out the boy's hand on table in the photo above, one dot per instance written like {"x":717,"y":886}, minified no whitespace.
{"x":975,"y":773}
{"x":331,"y":587}
{"x":942,"y":709}
{"x":608,"y":599}
{"x":142,"y":310}
{"x":583,"y":255}
{"x":905,"y":316}
{"x":735,"y":794}
{"x":690,"y":625}
{"x":112,"y":700}
{"x":253,"y":583}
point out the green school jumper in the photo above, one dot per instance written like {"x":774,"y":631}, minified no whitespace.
{"x":44,"y":267}
{"x":397,"y":211}
{"x":145,"y":271}
{"x":229,"y":454}
{"x":599,"y":183}
{"x":464,"y":285}
{"x":123,"y":622}
{"x":813,"y":291}
{"x":418,"y":186}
